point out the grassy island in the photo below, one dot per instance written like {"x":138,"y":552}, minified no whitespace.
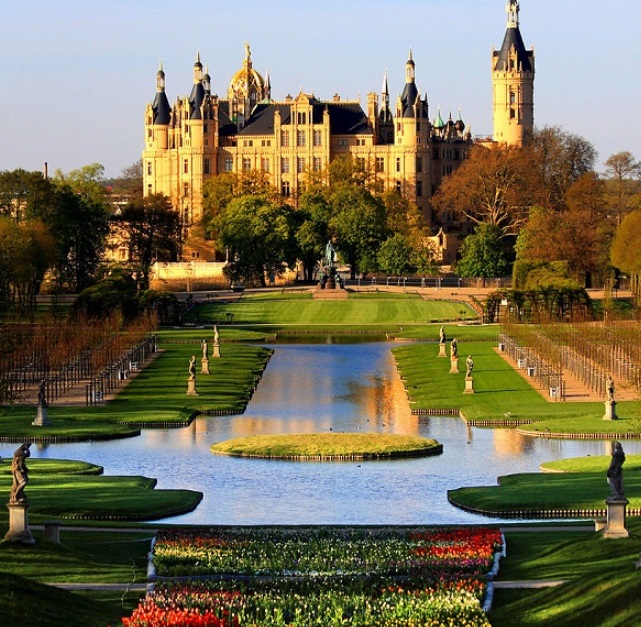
{"x":328,"y":446}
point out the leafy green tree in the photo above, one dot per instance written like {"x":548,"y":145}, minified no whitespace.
{"x":80,"y":226}
{"x":26,"y":252}
{"x":483,"y":254}
{"x":359,"y":221}
{"x":87,"y":181}
{"x":257,"y":234}
{"x":25,"y":195}
{"x":395,"y":255}
{"x":153,"y":231}
{"x":129,"y":183}
{"x":313,"y":233}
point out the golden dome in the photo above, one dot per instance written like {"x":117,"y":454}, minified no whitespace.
{"x":247,"y":80}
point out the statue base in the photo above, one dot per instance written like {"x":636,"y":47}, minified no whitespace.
{"x":42,"y":420}
{"x":191,"y":387}
{"x":204,"y":366}
{"x":216,"y":351}
{"x":330,"y":284}
{"x":469,"y":385}
{"x":18,"y":524}
{"x":454,"y":365}
{"x":615,"y":527}
{"x":441,"y":350}
{"x":610,"y":411}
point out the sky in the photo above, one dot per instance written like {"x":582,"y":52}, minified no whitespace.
{"x":76,"y":75}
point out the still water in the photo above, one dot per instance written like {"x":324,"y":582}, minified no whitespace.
{"x":322,"y":388}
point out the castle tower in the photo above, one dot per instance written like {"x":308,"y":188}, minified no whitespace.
{"x":513,"y":83}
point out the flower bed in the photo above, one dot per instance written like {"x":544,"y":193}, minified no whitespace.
{"x":324,"y":576}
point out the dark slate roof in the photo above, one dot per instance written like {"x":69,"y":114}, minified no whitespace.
{"x":161,"y":108}
{"x":196,"y":100}
{"x":408,"y":98}
{"x":513,"y":38}
{"x":226,"y":126}
{"x":344,"y":118}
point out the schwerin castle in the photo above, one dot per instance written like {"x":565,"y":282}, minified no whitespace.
{"x":204,"y":135}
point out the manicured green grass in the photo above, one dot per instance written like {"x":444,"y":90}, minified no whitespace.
{"x":501,"y":393}
{"x":82,"y":557}
{"x":591,"y":464}
{"x":279,"y":310}
{"x":328,"y":446}
{"x":550,"y":491}
{"x":63,"y":489}
{"x":603,"y":587}
{"x":158,"y":395}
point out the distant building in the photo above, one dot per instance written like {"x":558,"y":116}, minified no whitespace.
{"x":203,"y":135}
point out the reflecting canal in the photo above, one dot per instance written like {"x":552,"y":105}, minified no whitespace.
{"x":321,"y":388}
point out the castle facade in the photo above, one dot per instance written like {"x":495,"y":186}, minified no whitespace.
{"x":203,"y":135}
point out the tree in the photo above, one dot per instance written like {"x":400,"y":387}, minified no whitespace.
{"x":626,"y":249}
{"x":578,"y":235}
{"x":494,"y":186}
{"x":25,"y":194}
{"x":561,"y":158}
{"x":129,"y":183}
{"x":26,"y":251}
{"x":80,"y":226}
{"x":395,"y":255}
{"x":153,"y":231}
{"x":256,"y":232}
{"x":313,"y":233}
{"x":359,"y":221}
{"x":483,"y":254}
{"x":622,"y":171}
{"x":88,"y":181}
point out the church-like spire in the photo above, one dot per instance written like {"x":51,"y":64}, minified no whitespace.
{"x":410,"y":92}
{"x":410,"y":69}
{"x":160,"y":78}
{"x":512,"y":9}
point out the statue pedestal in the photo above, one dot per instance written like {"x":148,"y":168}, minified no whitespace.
{"x":216,"y":351}
{"x":191,"y":387}
{"x":610,"y":411}
{"x":469,"y":385}
{"x":615,"y":527}
{"x":18,"y":524}
{"x":441,"y":350}
{"x":42,"y":420}
{"x":204,"y":366}
{"x":454,"y":365}
{"x":330,"y":284}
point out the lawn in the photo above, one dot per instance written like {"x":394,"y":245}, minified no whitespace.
{"x":76,"y":490}
{"x":157,"y":396}
{"x":328,"y":446}
{"x":501,"y":393}
{"x":602,"y":583}
{"x":276,"y":308}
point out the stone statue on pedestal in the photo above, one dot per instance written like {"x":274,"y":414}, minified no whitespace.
{"x":20,"y":474}
{"x":42,"y":394}
{"x":453,"y":348}
{"x":609,"y":388}
{"x":205,"y":347}
{"x":192,"y":367}
{"x":441,"y":335}
{"x":615,"y":473}
{"x":469,"y":363}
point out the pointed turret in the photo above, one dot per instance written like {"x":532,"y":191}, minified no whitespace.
{"x":385,"y":114}
{"x":160,"y":106}
{"x":197,"y":91}
{"x":513,"y":80}
{"x":410,"y":92}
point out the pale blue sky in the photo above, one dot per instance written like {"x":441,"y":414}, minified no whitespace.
{"x":75,"y":75}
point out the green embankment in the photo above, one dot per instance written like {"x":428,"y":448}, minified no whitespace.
{"x":76,"y":490}
{"x":501,"y":394}
{"x":156,"y":396}
{"x":602,"y":582}
{"x":328,"y":446}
